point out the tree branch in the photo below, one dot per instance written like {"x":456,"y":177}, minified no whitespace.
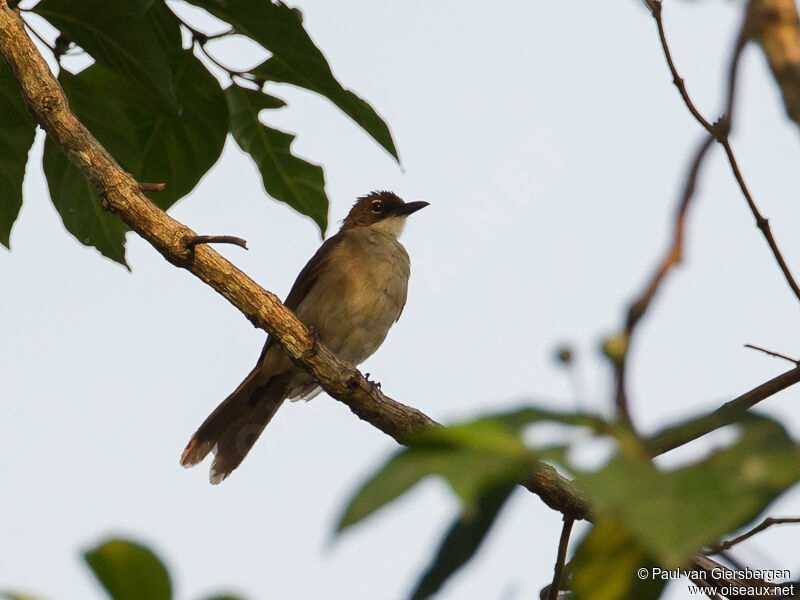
{"x":672,"y":257}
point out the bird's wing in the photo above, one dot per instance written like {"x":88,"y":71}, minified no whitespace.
{"x":306,"y":280}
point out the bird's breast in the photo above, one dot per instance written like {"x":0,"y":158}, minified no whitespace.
{"x":356,"y":300}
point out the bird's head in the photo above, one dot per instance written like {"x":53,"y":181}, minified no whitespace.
{"x":382,"y":211}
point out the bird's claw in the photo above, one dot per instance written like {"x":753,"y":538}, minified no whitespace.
{"x":374,"y":384}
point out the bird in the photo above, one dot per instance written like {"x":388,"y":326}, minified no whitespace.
{"x":350,"y":293}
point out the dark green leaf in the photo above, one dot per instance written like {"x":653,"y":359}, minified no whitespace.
{"x":606,"y":565}
{"x":179,"y":149}
{"x":474,"y":459}
{"x":72,"y":193}
{"x":17,"y":130}
{"x":462,"y":541}
{"x":77,"y":202}
{"x":295,"y":58}
{"x":674,"y":513}
{"x":287,"y":178}
{"x":129,"y":571}
{"x":119,"y":36}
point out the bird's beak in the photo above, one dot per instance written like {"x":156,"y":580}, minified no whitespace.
{"x":409,"y":207}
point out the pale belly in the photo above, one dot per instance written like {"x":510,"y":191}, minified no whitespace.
{"x":353,"y":309}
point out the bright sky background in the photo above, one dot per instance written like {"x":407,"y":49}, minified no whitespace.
{"x":552,"y":146}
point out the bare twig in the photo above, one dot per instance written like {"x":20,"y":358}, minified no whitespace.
{"x":775,"y":354}
{"x":152,"y":187}
{"x":728,"y":413}
{"x":765,"y":524}
{"x":216,"y":239}
{"x":561,"y":558}
{"x":671,"y":258}
{"x":721,"y":129}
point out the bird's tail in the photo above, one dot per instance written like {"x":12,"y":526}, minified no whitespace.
{"x":234,"y":426}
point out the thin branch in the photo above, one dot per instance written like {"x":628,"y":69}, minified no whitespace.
{"x":561,"y":558}
{"x":231,"y":72}
{"x":671,"y":258}
{"x":727,"y":414}
{"x":216,"y":239}
{"x":721,"y":129}
{"x":775,"y":354}
{"x":765,"y":524}
{"x":200,"y":39}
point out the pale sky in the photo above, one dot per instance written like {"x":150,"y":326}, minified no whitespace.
{"x":552,"y":147}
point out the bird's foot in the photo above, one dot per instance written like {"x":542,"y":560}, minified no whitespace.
{"x":374,"y":384}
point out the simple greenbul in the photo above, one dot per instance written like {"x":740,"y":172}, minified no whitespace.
{"x":351,"y":292}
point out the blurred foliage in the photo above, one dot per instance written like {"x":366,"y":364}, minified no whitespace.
{"x":161,"y":113}
{"x":644,"y":516}
{"x":127,"y":571}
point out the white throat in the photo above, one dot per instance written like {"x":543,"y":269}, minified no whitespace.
{"x":391,"y":226}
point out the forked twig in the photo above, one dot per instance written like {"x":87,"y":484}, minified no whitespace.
{"x":765,"y":524}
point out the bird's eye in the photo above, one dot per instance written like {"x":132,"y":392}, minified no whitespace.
{"x":376,"y":206}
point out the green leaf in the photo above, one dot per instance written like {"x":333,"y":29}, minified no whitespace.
{"x":17,"y":131}
{"x":119,"y":36}
{"x":461,"y":542}
{"x":287,"y":178}
{"x":178,"y":149}
{"x":77,"y":202}
{"x":73,"y":195}
{"x":295,"y":58}
{"x":606,"y":565}
{"x":674,"y":513}
{"x":129,"y":571}
{"x":475,"y":459}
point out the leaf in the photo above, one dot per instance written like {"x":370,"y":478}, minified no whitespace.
{"x":474,"y":458}
{"x":179,"y":149}
{"x":17,"y":131}
{"x":287,"y":178}
{"x":674,"y":513}
{"x":295,"y":58}
{"x":461,"y":542}
{"x":72,"y":194}
{"x":120,"y":37}
{"x":606,"y":565}
{"x":129,"y":571}
{"x":77,"y":202}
